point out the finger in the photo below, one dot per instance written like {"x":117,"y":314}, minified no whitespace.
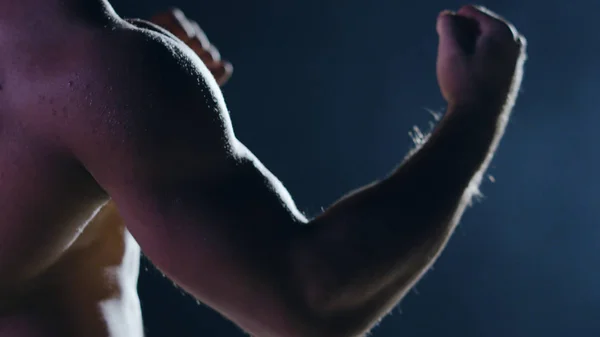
{"x":521,"y":41}
{"x":457,"y":33}
{"x":489,"y":21}
{"x":479,"y":13}
{"x":200,"y":36}
{"x":176,"y":22}
{"x":222,"y":73}
{"x":214,"y":53}
{"x":204,"y":56}
{"x":443,"y":20}
{"x":207,"y":55}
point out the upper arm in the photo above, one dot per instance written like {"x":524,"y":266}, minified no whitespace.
{"x":153,"y":130}
{"x":158,"y":139}
{"x":154,"y":121}
{"x":148,"y":105}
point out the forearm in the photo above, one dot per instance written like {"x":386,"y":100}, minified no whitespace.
{"x":361,"y":256}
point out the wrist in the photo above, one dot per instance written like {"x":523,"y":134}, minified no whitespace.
{"x":476,"y":116}
{"x":486,"y":99}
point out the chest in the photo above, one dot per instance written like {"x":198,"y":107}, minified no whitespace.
{"x":45,"y":199}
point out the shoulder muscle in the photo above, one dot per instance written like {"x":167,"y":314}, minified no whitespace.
{"x":146,"y":101}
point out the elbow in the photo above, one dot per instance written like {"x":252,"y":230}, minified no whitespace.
{"x":324,"y":305}
{"x":315,"y":325}
{"x":337,"y":305}
{"x":325,"y":310}
{"x":352,"y":323}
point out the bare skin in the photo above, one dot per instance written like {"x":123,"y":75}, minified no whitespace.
{"x":83,"y":125}
{"x":85,"y":275}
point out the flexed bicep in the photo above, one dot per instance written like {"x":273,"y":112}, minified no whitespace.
{"x":202,"y":208}
{"x":218,"y":223}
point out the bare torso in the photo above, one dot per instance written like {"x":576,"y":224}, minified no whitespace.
{"x":78,"y":85}
{"x":89,"y":291}
{"x":60,"y":274}
{"x":68,"y":265}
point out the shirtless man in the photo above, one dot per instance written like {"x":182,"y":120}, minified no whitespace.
{"x":97,"y":107}
{"x":84,"y":276}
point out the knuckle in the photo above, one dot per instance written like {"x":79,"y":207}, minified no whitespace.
{"x":169,"y":17}
{"x":444,"y":21}
{"x":214,"y":53}
{"x":522,"y":41}
{"x":176,"y":13}
{"x":228,"y":67}
{"x":492,"y":20}
{"x":179,"y":18}
{"x":200,"y":36}
{"x":503,"y":33}
{"x":206,"y":58}
{"x":470,"y":10}
{"x":502,"y":28}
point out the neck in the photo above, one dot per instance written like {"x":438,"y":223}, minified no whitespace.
{"x":24,"y":11}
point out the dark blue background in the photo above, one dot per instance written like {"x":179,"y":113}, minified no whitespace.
{"x":325,"y":92}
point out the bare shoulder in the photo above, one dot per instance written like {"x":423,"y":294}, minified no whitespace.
{"x":142,"y":96}
{"x":142,"y":70}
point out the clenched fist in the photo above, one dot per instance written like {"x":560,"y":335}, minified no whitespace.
{"x":480,"y":57}
{"x":176,"y":23}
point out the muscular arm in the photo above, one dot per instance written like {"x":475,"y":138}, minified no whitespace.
{"x":218,"y":223}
